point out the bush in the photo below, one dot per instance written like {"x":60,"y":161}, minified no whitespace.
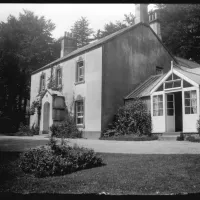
{"x":54,"y":159}
{"x":66,"y":129}
{"x":132,"y":118}
{"x":181,"y":137}
{"x":24,"y":130}
{"x":131,"y":137}
{"x":192,"y":139}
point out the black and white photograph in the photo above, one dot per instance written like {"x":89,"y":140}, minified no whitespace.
{"x":99,"y":99}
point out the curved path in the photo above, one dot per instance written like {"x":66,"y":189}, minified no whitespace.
{"x":16,"y":143}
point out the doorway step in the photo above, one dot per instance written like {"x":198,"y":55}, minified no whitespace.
{"x":169,"y":136}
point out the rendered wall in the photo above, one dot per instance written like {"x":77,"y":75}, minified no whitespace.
{"x":90,"y":90}
{"x":129,"y":60}
{"x":35,"y":84}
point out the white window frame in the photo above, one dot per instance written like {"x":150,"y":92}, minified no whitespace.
{"x":42,"y":82}
{"x":190,"y":99}
{"x":157,"y":107}
{"x":80,"y":77}
{"x":58,"y":78}
{"x":79,"y":113}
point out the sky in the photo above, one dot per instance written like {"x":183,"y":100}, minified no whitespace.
{"x":65,"y":15}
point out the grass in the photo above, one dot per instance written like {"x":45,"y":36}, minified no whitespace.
{"x":130,"y":137}
{"x":123,"y":174}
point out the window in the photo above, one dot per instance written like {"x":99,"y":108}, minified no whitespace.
{"x":80,"y":71}
{"x":158,"y":105}
{"x":58,"y":77}
{"x":170,"y":104}
{"x":42,"y":82}
{"x":186,"y":84}
{"x":159,"y":70}
{"x":173,"y":81}
{"x":79,"y":112}
{"x":190,"y":102}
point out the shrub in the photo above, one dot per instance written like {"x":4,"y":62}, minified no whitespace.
{"x":66,"y":129}
{"x":131,"y":137}
{"x":54,"y":159}
{"x":24,"y":130}
{"x":35,"y":130}
{"x":181,"y":137}
{"x":132,"y":118}
{"x":192,"y":139}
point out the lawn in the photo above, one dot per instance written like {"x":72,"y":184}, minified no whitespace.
{"x":122,"y":174}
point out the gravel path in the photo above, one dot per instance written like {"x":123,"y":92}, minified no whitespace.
{"x":16,"y":143}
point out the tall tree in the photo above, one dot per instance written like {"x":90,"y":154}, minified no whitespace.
{"x":112,"y":27}
{"x":81,"y":32}
{"x":180,"y":29}
{"x":25,"y":45}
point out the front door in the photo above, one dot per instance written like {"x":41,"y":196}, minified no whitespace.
{"x":170,"y":114}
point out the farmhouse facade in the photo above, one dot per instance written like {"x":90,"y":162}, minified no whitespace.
{"x":93,"y":81}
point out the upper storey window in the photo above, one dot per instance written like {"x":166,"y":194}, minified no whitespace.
{"x":80,"y":68}
{"x":59,"y":77}
{"x":42,"y":82}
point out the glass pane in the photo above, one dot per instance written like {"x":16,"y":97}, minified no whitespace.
{"x":187,"y":102}
{"x":177,"y":83}
{"x":170,"y":105}
{"x":160,"y":105}
{"x":168,"y":85}
{"x":169,"y":78}
{"x":187,"y":110}
{"x":193,"y":102}
{"x":79,"y":120}
{"x":169,"y":97}
{"x":194,"y":110}
{"x":193,"y":94}
{"x":160,"y":97}
{"x":155,"y":113}
{"x":170,"y":112}
{"x":155,"y":99}
{"x":80,"y":114}
{"x":175,"y":77}
{"x":80,"y":71}
{"x":160,"y":88}
{"x":155,"y":106}
{"x":187,"y":94}
{"x":160,"y":112}
{"x":186,"y":84}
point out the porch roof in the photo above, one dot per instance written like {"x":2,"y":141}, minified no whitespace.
{"x":191,"y":73}
{"x":52,"y":92}
{"x":144,"y":89}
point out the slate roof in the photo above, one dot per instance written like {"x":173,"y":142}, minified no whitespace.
{"x":186,"y":63}
{"x":52,"y":92}
{"x":144,"y":89}
{"x":97,"y":43}
{"x":191,"y":73}
{"x":188,"y":68}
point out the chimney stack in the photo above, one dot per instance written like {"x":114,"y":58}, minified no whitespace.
{"x":141,"y":13}
{"x":68,"y":44}
{"x":154,"y":22}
